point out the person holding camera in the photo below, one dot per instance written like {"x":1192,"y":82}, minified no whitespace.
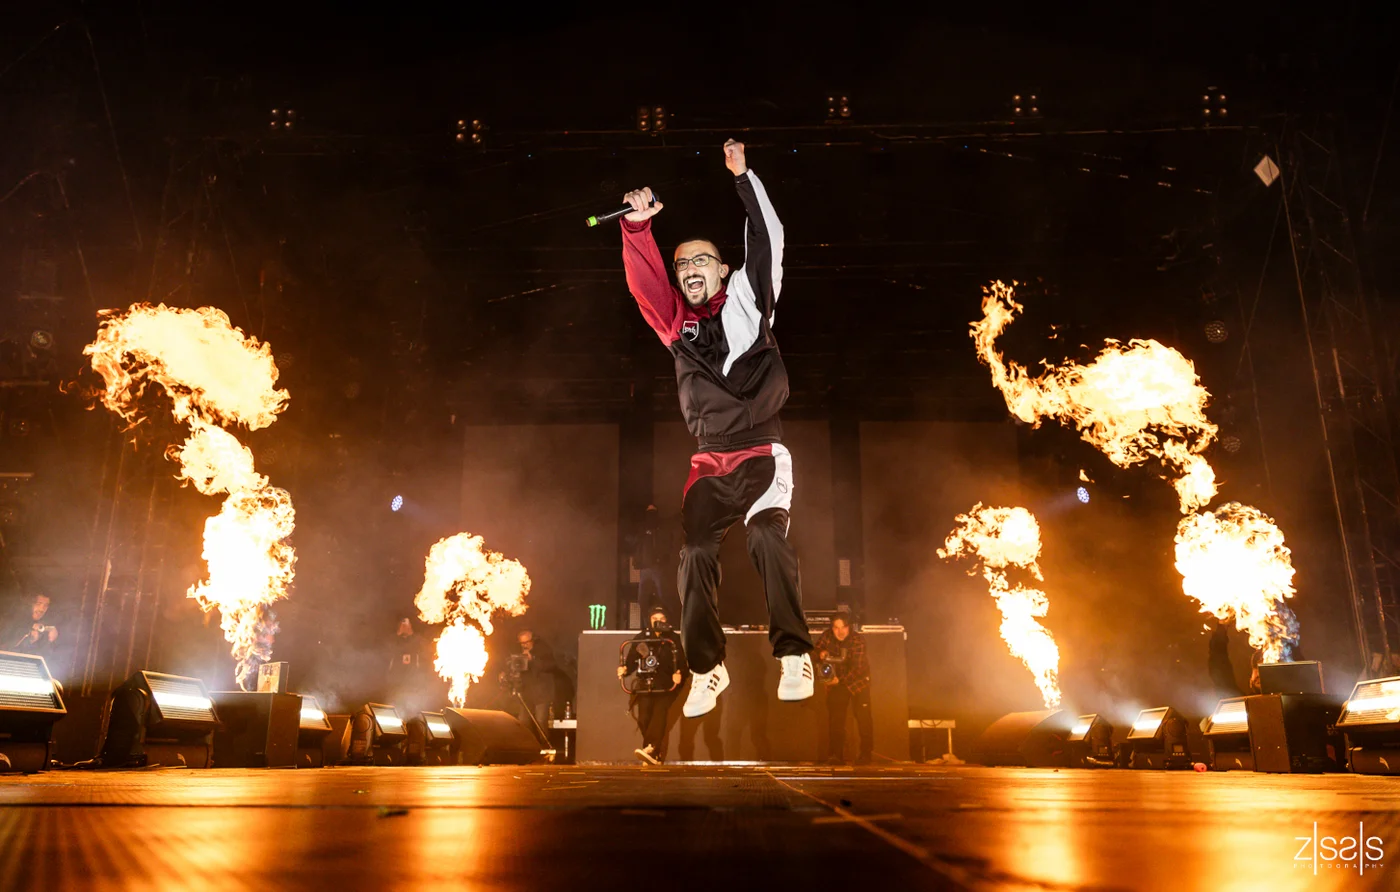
{"x":655,"y":665}
{"x":845,"y":670}
{"x":533,"y":672}
{"x":28,"y":633}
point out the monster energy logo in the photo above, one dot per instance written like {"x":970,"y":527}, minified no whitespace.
{"x":597,"y":615}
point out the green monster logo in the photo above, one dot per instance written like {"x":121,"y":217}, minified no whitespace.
{"x":597,"y":615}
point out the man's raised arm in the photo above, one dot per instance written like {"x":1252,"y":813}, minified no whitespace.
{"x":647,"y":276}
{"x":763,"y":236}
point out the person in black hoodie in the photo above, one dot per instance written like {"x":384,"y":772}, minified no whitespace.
{"x":732,"y":383}
{"x":652,"y":706}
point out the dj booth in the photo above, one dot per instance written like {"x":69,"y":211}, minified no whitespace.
{"x":750,"y":724}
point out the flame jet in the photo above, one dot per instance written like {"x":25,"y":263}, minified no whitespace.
{"x":215,"y":377}
{"x":1144,"y":402}
{"x":1133,"y":403}
{"x":1001,"y":539}
{"x":463,"y":586}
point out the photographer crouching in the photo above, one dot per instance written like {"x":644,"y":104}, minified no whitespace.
{"x":653,"y":664}
{"x":845,"y":670}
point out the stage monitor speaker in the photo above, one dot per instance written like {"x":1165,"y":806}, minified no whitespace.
{"x":1295,"y":733}
{"x":1031,"y":739}
{"x":30,"y":703}
{"x":491,"y":737}
{"x":1291,"y":678}
{"x":257,"y":730}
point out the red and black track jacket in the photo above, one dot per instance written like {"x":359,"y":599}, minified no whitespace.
{"x":729,"y":373}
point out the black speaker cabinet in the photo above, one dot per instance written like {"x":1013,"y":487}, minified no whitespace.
{"x":492,"y":737}
{"x":1031,"y":739}
{"x":259,"y":730}
{"x":1295,"y":733}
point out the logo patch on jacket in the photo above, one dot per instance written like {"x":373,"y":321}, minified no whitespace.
{"x":690,"y":329}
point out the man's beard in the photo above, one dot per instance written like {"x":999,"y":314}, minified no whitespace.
{"x":696,"y":290}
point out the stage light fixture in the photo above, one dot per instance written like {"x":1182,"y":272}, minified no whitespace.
{"x":282,"y":119}
{"x":1230,"y":443}
{"x":1157,"y":740}
{"x":1082,"y":494}
{"x":1370,"y":719}
{"x":643,"y":118}
{"x":313,"y":728}
{"x":431,"y":741}
{"x":396,"y":503}
{"x":1217,"y":332}
{"x":1214,"y":104}
{"x":160,"y":719}
{"x":39,"y":339}
{"x":1090,"y":742}
{"x":30,"y":703}
{"x":377,"y":736}
{"x":658,"y":119}
{"x":1227,"y":736}
{"x":838,"y":108}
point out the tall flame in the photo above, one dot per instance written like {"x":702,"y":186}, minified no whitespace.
{"x":1233,"y":561}
{"x":463,"y":586}
{"x":214,"y":375}
{"x":1002,"y":539}
{"x":1134,"y":404}
{"x":1144,"y":402}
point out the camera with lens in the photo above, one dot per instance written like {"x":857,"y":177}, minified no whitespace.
{"x":651,"y":662}
{"x":834,"y":666}
{"x":516,"y":666}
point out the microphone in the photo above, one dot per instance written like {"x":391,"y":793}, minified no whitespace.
{"x":613,"y":215}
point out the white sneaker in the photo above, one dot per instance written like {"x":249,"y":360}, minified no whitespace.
{"x":645,"y":754}
{"x":705,"y":690}
{"x":796,"y":683}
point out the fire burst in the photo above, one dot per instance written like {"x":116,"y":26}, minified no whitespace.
{"x":1144,"y":402}
{"x":214,"y":376}
{"x":1233,"y":561}
{"x":1134,"y":404}
{"x":463,"y":586}
{"x":1001,"y":539}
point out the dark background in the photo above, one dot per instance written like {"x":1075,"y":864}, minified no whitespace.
{"x":449,"y":331}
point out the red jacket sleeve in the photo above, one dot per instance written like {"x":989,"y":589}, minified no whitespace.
{"x":650,"y":281}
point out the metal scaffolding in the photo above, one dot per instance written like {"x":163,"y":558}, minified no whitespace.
{"x":1350,"y":387}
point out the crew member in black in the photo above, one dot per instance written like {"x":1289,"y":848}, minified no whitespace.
{"x":732,"y":384}
{"x":656,"y":670}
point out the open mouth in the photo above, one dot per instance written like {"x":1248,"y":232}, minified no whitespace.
{"x":695,"y":285}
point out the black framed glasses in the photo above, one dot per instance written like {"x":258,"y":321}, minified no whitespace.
{"x":699,"y":261}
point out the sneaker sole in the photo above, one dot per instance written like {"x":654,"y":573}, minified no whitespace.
{"x":800,"y":696}
{"x":650,"y":760}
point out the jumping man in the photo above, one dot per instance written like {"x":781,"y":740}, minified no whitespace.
{"x":732,"y":384}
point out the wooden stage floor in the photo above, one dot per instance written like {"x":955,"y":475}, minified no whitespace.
{"x":770,"y":828}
